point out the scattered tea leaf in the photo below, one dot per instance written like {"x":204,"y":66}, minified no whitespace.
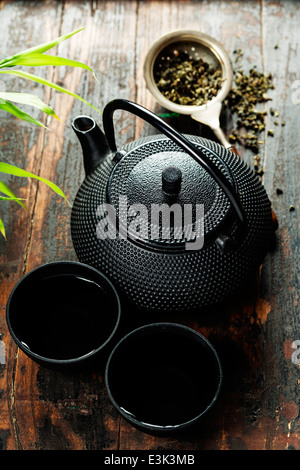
{"x":249,"y":90}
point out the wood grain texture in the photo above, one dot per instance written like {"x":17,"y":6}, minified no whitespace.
{"x":254,"y":331}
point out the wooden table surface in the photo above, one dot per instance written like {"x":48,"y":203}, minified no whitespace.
{"x":253,"y":332}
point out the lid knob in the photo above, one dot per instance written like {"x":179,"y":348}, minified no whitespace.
{"x":171,"y":180}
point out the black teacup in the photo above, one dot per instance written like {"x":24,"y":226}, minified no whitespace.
{"x":163,"y":377}
{"x":63,"y":313}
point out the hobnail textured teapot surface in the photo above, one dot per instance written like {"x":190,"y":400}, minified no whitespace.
{"x":160,"y":273}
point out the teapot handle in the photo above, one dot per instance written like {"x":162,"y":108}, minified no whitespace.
{"x":180,"y":140}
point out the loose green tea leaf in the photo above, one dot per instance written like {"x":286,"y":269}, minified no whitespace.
{"x":249,"y":90}
{"x":239,"y":54}
{"x":187,"y":81}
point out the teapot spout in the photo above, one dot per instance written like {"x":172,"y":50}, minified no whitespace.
{"x":93,"y":142}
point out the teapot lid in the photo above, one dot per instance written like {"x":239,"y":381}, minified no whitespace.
{"x":163,"y":197}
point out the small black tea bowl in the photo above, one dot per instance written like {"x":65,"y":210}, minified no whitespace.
{"x":63,"y":313}
{"x":163,"y":377}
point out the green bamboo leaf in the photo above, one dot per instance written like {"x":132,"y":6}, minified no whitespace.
{"x":5,"y":190}
{"x":42,"y":47}
{"x":2,"y":229}
{"x":43,"y":81}
{"x":31,"y":100}
{"x":13,"y":170}
{"x":12,"y":109}
{"x":36,"y":60}
{"x":6,"y":198}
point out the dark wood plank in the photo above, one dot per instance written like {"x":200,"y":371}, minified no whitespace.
{"x":281,"y":271}
{"x":22,"y":146}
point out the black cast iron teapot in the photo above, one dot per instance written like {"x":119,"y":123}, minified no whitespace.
{"x":176,"y":222}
